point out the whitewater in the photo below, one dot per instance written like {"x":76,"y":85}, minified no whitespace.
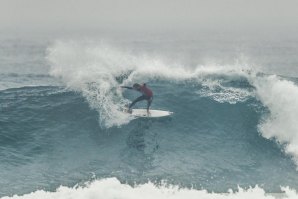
{"x":233,"y":133}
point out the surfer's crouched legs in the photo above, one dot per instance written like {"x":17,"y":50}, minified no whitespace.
{"x":149,"y":101}
{"x":143,"y":97}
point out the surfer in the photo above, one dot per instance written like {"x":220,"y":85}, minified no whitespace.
{"x":147,"y":94}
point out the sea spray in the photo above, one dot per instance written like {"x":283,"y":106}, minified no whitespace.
{"x":92,"y":72}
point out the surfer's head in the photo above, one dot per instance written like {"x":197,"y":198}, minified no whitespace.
{"x":136,"y":86}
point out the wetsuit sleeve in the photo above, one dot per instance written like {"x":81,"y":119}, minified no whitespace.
{"x":128,"y":87}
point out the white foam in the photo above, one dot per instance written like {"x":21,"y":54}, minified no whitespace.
{"x":281,"y":97}
{"x":91,"y":70}
{"x":223,"y":94}
{"x":111,"y":188}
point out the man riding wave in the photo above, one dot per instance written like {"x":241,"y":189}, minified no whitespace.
{"x":147,"y":94}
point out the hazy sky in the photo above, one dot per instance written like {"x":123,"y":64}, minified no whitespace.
{"x":41,"y":15}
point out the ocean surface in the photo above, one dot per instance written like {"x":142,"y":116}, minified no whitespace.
{"x":233,"y":134}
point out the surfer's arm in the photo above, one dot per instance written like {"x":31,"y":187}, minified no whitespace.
{"x":128,"y":87}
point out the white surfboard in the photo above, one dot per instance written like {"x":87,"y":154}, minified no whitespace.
{"x":152,"y":113}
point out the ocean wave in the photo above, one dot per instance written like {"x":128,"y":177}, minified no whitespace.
{"x":97,"y":71}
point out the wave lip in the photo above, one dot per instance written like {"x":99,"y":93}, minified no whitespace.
{"x":112,"y":188}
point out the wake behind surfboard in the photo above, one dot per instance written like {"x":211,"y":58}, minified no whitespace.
{"x":152,"y":113}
